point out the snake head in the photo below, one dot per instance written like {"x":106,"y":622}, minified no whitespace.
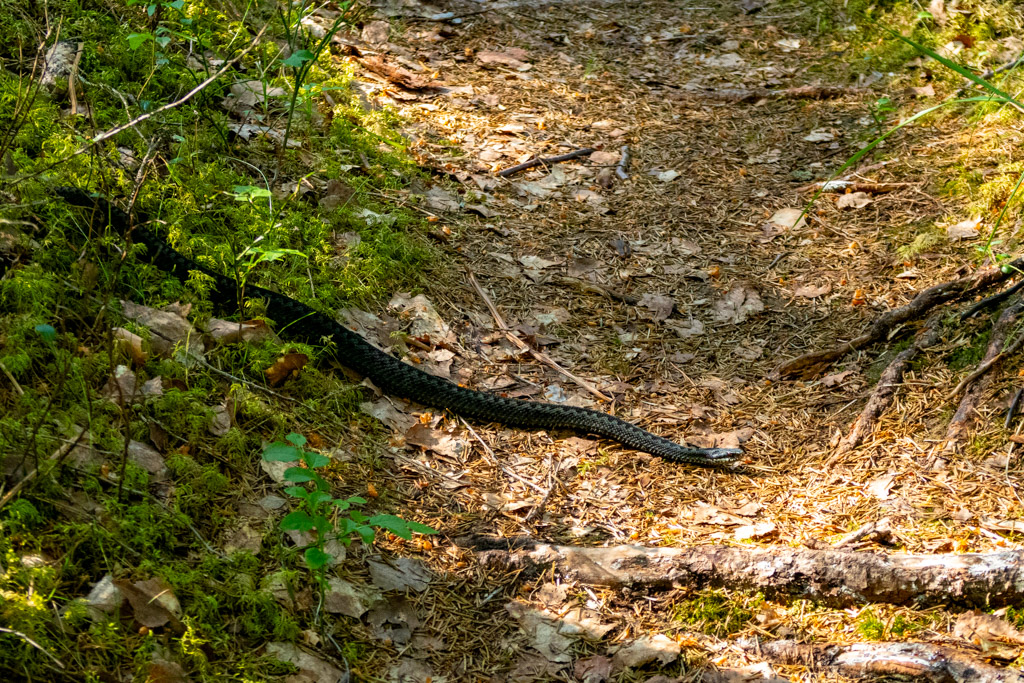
{"x":723,"y":455}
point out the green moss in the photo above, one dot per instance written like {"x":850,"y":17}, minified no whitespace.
{"x":717,"y":612}
{"x":869,"y":626}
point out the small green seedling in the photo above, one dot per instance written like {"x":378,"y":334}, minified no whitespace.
{"x":330,"y":518}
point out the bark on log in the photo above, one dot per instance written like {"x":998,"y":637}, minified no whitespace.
{"x":811,"y":364}
{"x":834,"y":577}
{"x":872,"y":660}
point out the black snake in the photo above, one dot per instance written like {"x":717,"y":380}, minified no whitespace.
{"x":391,"y":374}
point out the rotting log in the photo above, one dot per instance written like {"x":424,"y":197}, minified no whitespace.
{"x":833,"y":577}
{"x":872,"y":660}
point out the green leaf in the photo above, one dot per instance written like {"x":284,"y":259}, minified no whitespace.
{"x":340,"y":504}
{"x":298,"y":59}
{"x":297,"y":492}
{"x":47,"y":332}
{"x":395,"y":525}
{"x":135,"y":40}
{"x":316,"y":558}
{"x":297,"y":439}
{"x":421,"y":528}
{"x":356,"y":500}
{"x":316,"y":460}
{"x":297,"y":521}
{"x":280,"y":452}
{"x":297,"y":475}
{"x":245,"y":193}
{"x":318,"y":498}
{"x":366,"y":533}
{"x":177,"y":4}
{"x":163,"y":41}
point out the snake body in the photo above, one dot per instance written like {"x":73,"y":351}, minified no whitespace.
{"x":390,"y":374}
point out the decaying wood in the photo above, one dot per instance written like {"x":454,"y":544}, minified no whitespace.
{"x":890,"y":380}
{"x":978,"y":381}
{"x":546,"y":161}
{"x":833,"y":577}
{"x":872,"y":660}
{"x":811,"y":364}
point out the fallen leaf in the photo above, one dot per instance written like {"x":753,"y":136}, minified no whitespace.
{"x":594,"y":669}
{"x":689,"y":328}
{"x":312,"y":669}
{"x":668,"y":176}
{"x":221,"y":422}
{"x":603,"y":158}
{"x":165,"y":671}
{"x":436,"y":440}
{"x":400,"y":574}
{"x":423,"y":321}
{"x":394,"y":620}
{"x":820,"y":135}
{"x":411,"y":670}
{"x":644,"y":650}
{"x":879,"y":486}
{"x":130,"y":343}
{"x":854,"y":200}
{"x":705,"y":513}
{"x":738,"y":304}
{"x":337,"y":194}
{"x":964,"y":230}
{"x":169,"y":328}
{"x":835,"y":379}
{"x":229,"y":332}
{"x":396,"y":74}
{"x":386,"y":412}
{"x":537,"y":262}
{"x":658,"y":307}
{"x":124,"y":387}
{"x":786,"y":219}
{"x":247,"y":96}
{"x":148,"y":459}
{"x":542,"y":631}
{"x":349,"y":599}
{"x":976,"y":626}
{"x":812,"y":291}
{"x":510,"y":58}
{"x":284,"y":367}
{"x":788,"y":44}
{"x":754,"y":531}
{"x":153,"y":602}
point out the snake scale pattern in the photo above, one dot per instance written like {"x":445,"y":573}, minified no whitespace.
{"x":390,"y":374}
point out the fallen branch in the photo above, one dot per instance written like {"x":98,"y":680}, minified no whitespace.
{"x":545,"y":161}
{"x":873,"y":660}
{"x":833,"y":577}
{"x":855,"y":186}
{"x":978,"y":381}
{"x":811,"y":364}
{"x":884,"y":391}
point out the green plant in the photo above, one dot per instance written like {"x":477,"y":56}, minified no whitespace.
{"x":301,"y":60}
{"x":870,"y":626}
{"x":325,"y":516}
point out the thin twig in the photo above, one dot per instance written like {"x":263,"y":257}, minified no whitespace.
{"x":58,"y":456}
{"x":526,"y":348}
{"x":992,"y":300}
{"x":545,"y":161}
{"x":497,"y":463}
{"x":17,"y":387}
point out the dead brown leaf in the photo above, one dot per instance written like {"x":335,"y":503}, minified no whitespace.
{"x":153,"y":602}
{"x":284,"y":367}
{"x":738,"y":304}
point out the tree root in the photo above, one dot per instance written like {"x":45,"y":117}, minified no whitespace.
{"x":833,"y":577}
{"x":978,"y":381}
{"x":872,"y":660}
{"x":811,"y":364}
{"x":887,"y":385}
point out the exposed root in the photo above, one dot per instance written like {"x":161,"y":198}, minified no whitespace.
{"x":834,"y":577}
{"x":811,"y":364}
{"x":978,"y":381}
{"x":872,"y":660}
{"x":890,"y":380}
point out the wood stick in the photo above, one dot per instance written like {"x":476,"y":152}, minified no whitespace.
{"x":526,"y":348}
{"x":545,"y":161}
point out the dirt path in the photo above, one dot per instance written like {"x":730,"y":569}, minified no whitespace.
{"x":716,"y":296}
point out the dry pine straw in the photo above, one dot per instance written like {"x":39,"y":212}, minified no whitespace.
{"x":720,"y":202}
